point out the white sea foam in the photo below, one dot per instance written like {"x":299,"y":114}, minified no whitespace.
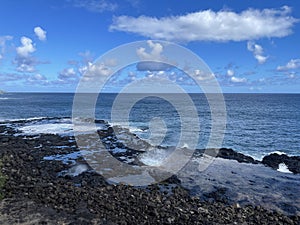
{"x":137,"y":130}
{"x":277,"y":152}
{"x":60,"y":128}
{"x":132,"y":129}
{"x":64,"y":126}
{"x":283,"y":168}
{"x":154,"y":157}
{"x":22,"y":119}
{"x":185,"y":145}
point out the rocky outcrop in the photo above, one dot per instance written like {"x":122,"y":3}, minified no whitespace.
{"x":292,"y":162}
{"x":228,"y":153}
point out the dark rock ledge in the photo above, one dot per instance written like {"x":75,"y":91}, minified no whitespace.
{"x":273,"y":160}
{"x":292,"y":162}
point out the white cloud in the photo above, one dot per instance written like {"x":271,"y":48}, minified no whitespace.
{"x":230,"y":73}
{"x":292,"y":64}
{"x":3,"y":40}
{"x":36,"y":77}
{"x":26,"y":48}
{"x":208,"y":25}
{"x":26,"y":64}
{"x":38,"y":80}
{"x":40,"y":33}
{"x":95,"y":5}
{"x":238,"y":80}
{"x":25,"y":68}
{"x":292,"y":75}
{"x":92,"y":71}
{"x":155,"y":53}
{"x":257,"y":51}
{"x":203,"y":75}
{"x":69,"y":73}
{"x":66,"y":76}
{"x":261,"y":59}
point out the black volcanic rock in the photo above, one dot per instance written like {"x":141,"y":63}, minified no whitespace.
{"x":34,"y":194}
{"x":228,"y":153}
{"x":292,"y":162}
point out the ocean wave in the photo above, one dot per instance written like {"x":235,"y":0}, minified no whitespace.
{"x":277,"y":152}
{"x":62,"y":129}
{"x":283,"y":168}
{"x":24,"y":119}
{"x":155,"y":156}
{"x":6,"y":98}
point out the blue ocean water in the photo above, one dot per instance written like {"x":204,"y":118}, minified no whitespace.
{"x":257,"y":124}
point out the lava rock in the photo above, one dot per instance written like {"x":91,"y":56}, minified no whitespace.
{"x":227,"y":153}
{"x":292,"y":162}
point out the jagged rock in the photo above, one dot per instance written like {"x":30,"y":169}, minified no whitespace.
{"x":292,"y":162}
{"x":227,"y":153}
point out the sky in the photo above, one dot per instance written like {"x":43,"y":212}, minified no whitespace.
{"x":249,"y":46}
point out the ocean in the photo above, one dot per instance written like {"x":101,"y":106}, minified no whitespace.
{"x":256,"y":124}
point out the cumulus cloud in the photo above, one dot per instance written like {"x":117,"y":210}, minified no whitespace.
{"x":25,"y":64}
{"x":257,"y":51}
{"x":67,"y":74}
{"x":155,"y":54}
{"x":208,"y":25}
{"x":238,"y":80}
{"x":94,"y":71}
{"x":98,"y":6}
{"x":24,"y":61}
{"x":230,"y":72}
{"x":37,"y":79}
{"x":26,"y":48}
{"x":40,"y":33}
{"x":203,"y":75}
{"x":292,"y":64}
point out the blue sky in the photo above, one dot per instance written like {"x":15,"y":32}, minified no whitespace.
{"x":250,"y":46}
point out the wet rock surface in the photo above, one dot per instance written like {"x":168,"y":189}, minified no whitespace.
{"x":292,"y":162}
{"x":227,"y":153}
{"x":35,"y":194}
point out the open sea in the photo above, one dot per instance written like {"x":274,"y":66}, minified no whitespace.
{"x":256,"y":124}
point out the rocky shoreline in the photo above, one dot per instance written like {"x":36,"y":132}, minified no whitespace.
{"x":35,"y":194}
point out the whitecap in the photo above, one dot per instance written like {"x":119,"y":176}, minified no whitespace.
{"x":277,"y":152}
{"x":154,"y":157}
{"x":283,"y":168}
{"x":137,"y":130}
{"x":60,"y":128}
